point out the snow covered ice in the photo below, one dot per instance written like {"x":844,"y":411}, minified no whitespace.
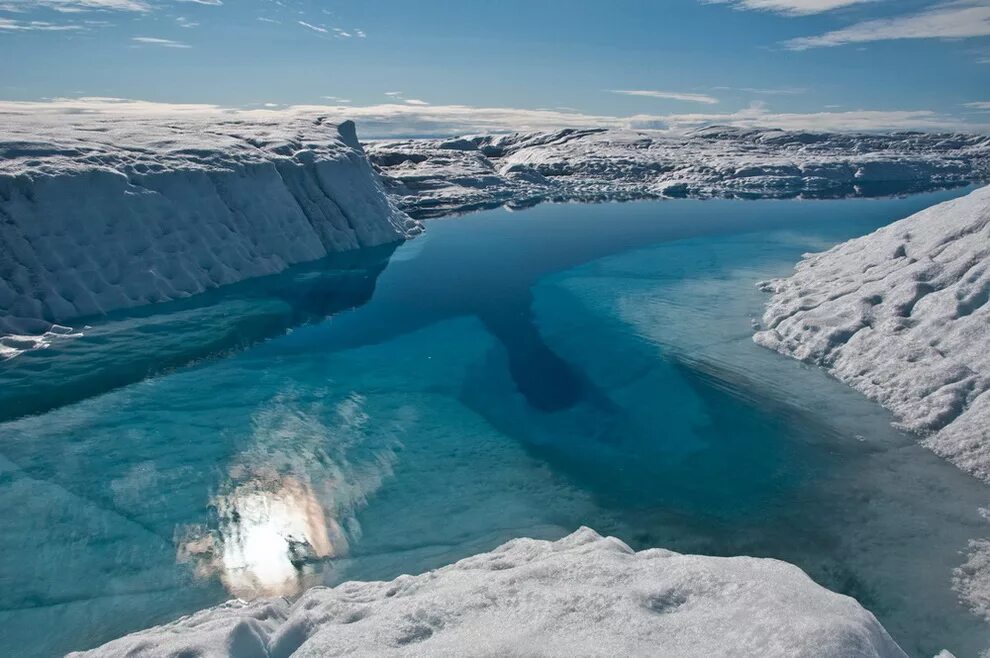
{"x":902,"y":315}
{"x":441,"y":176}
{"x":580,"y":595}
{"x":107,"y":212}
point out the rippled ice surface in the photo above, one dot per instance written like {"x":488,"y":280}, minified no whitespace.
{"x":508,"y":374}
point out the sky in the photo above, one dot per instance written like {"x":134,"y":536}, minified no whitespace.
{"x":414,"y":66}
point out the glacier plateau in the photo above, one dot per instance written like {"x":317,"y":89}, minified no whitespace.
{"x":107,"y":211}
{"x":434,"y":177}
{"x":581,"y":595}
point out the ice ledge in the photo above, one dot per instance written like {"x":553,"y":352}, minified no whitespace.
{"x":582,"y":595}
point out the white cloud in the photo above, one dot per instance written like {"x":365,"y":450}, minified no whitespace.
{"x":72,"y":6}
{"x":399,"y":119}
{"x":415,"y":101}
{"x":10,"y":25}
{"x":954,"y":20}
{"x":667,"y":95}
{"x":315,"y":28}
{"x":979,"y":105}
{"x":790,"y":7}
{"x":781,"y":91}
{"x":165,"y":43}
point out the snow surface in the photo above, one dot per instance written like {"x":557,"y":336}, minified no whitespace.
{"x":582,"y":595}
{"x":902,"y":315}
{"x":101,"y":212}
{"x":433,"y":177}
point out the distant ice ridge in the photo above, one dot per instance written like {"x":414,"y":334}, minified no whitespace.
{"x":432,"y":177}
{"x":583,"y":595}
{"x":903,"y":315}
{"x":101,"y":212}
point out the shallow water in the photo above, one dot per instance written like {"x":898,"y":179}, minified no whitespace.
{"x":507,"y":374}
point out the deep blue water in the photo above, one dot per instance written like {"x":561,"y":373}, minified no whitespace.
{"x":506,"y":374}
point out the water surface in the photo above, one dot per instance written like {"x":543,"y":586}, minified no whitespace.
{"x":507,"y":374}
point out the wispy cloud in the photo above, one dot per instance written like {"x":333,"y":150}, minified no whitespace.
{"x":667,"y":95}
{"x":790,"y":7}
{"x":11,"y":25}
{"x":979,"y":105}
{"x":400,"y":119}
{"x":315,"y":28}
{"x":165,"y":43}
{"x":72,"y":6}
{"x":779,"y":91}
{"x":953,"y":20}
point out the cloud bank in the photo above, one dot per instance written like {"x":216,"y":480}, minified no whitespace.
{"x":406,"y":120}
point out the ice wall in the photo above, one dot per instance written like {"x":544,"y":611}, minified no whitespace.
{"x":99,"y":213}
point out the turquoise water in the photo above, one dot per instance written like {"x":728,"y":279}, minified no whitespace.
{"x":507,"y":374}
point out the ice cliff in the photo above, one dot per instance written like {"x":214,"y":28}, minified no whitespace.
{"x":903,"y":315}
{"x":582,"y":595}
{"x":431,"y":177}
{"x":101,"y":212}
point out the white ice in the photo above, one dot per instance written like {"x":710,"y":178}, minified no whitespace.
{"x":582,"y":595}
{"x":102,"y":212}
{"x":431,"y":177}
{"x":903,"y":316}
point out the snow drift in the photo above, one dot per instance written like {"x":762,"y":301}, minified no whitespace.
{"x":903,"y":315}
{"x":107,"y":212}
{"x":582,"y":595}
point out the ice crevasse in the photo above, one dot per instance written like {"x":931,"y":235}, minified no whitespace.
{"x":108,"y":213}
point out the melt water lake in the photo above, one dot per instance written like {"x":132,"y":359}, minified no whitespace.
{"x":506,"y":374}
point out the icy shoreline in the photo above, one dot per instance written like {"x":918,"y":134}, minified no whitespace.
{"x":902,"y":315}
{"x":582,"y":595}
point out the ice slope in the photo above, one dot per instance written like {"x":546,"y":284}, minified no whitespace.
{"x":432,"y":177}
{"x":903,"y":315}
{"x":100,"y":212}
{"x":582,"y":595}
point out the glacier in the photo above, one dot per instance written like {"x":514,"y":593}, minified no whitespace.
{"x":106,"y":212}
{"x":581,"y":595}
{"x":435,"y":177}
{"x":902,"y":315}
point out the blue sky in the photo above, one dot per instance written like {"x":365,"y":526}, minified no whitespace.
{"x":887,"y":63}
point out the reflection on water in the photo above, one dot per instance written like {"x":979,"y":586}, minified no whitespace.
{"x":131,"y":345}
{"x":281,"y":509}
{"x":270,"y":530}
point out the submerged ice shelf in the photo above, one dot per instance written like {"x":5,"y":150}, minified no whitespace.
{"x":581,"y":595}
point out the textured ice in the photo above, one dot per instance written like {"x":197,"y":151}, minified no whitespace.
{"x":902,"y":315}
{"x":581,"y":595}
{"x":101,"y":212}
{"x":434,"y":177}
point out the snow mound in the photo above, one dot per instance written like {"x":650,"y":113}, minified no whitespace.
{"x":432,"y":177}
{"x":106,"y":212}
{"x":582,"y":595}
{"x":903,"y":315}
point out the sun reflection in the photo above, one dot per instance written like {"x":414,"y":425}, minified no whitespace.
{"x":271,"y":533}
{"x":287,"y":503}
